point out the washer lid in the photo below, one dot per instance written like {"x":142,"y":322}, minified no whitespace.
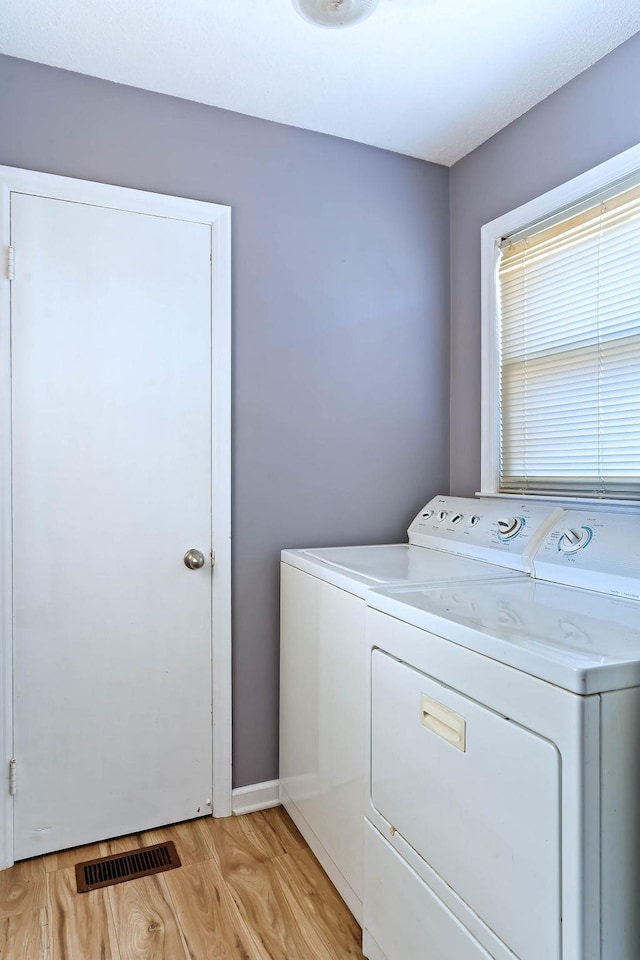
{"x":577,"y":639}
{"x":400,"y":562}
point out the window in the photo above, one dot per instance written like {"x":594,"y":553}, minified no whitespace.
{"x":564,"y":350}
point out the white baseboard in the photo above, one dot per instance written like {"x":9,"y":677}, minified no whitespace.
{"x":256,"y":796}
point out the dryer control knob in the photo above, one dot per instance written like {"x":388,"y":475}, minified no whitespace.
{"x":574,"y":538}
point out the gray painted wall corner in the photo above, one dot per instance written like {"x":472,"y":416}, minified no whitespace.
{"x":592,"y":118}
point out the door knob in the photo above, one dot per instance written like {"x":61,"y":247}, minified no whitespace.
{"x":193,"y":559}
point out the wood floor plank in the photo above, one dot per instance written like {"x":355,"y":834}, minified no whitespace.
{"x":279,"y":825}
{"x":208,"y":918}
{"x":239,"y":836}
{"x":120,"y":845}
{"x":68,"y":858}
{"x":25,"y":936}
{"x":313,"y":897}
{"x":23,"y":887}
{"x":266,"y":911}
{"x":145,"y":923}
{"x":192,"y":838}
{"x":264,"y":893}
{"x":81,"y":924}
{"x":256,"y":836}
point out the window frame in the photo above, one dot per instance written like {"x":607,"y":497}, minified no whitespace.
{"x":593,"y":181}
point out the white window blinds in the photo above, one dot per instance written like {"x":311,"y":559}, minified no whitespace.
{"x":569,"y":335}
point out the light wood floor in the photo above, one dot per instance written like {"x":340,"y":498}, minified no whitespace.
{"x":249,"y":889}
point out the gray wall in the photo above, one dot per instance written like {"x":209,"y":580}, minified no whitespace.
{"x":341,"y":331}
{"x":591,"y":119}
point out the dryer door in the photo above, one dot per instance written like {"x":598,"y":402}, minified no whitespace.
{"x":477,"y":796}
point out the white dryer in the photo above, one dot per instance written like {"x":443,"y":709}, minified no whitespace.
{"x":503,"y":818}
{"x":323,"y":657}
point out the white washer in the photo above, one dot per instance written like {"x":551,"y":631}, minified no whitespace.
{"x":323,"y":657}
{"x":503,"y":818}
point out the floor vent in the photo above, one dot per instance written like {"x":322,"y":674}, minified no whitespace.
{"x":93,"y":874}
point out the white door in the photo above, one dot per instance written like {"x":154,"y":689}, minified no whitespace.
{"x":111,"y":372}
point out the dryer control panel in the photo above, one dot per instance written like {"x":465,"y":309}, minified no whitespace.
{"x":596,"y":551}
{"x":502,"y":532}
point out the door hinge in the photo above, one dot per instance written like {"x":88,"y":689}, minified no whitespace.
{"x":212,"y":554}
{"x":13,"y":779}
{"x":11,"y":263}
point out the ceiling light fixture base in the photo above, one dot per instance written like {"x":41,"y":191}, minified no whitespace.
{"x":335,"y":13}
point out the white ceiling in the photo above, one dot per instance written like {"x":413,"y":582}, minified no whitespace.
{"x":430,"y":78}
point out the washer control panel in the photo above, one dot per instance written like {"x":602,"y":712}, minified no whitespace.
{"x":502,"y":532}
{"x":597,"y":551}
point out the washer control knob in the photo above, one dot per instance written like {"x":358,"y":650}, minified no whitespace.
{"x":574,"y":538}
{"x":442,"y":515}
{"x":509,"y":527}
{"x":427,"y":514}
{"x":473,"y":520}
{"x":456,"y":518}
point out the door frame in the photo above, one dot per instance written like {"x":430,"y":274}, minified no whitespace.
{"x":218,"y":217}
